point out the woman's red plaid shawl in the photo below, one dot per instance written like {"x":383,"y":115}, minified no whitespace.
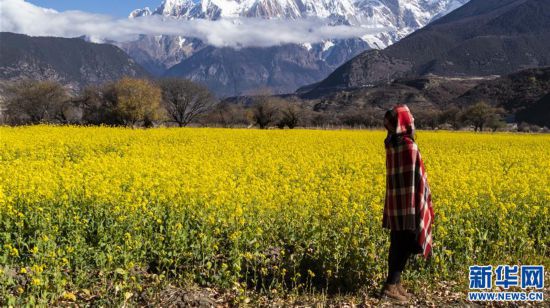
{"x":408,"y":203}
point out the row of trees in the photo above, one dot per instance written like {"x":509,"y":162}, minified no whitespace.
{"x":269,"y":111}
{"x":140,"y":102}
{"x":480,"y":116}
{"x":129,"y":102}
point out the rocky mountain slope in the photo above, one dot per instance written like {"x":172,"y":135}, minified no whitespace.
{"x":279,"y":70}
{"x":73,"y":62}
{"x":482,"y":38}
{"x":229,"y":71}
{"x":423,"y":93}
{"x":524,"y":95}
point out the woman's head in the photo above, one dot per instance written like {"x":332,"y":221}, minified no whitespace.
{"x":399,"y":120}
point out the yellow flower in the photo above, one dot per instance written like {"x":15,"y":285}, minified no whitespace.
{"x":37,"y":269}
{"x":69,"y":296}
{"x":216,"y":194}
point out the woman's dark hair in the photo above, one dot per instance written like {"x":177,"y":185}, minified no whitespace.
{"x":391,"y":115}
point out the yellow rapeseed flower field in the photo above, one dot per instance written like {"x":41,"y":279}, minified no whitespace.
{"x":108,"y":210}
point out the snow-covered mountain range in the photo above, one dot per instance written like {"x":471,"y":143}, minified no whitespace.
{"x":174,"y":54}
{"x":215,"y":9}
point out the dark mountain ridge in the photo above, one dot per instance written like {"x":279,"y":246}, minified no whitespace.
{"x":523,"y":94}
{"x":73,"y":62}
{"x":538,"y":113}
{"x":482,"y":38}
{"x":229,"y":72}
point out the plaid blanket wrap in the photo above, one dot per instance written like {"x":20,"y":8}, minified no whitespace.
{"x":408,"y":204}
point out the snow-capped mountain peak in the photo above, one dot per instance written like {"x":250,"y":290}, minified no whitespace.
{"x":204,"y":63}
{"x":283,"y":9}
{"x":400,"y":16}
{"x":141,"y":12}
{"x":404,"y":16}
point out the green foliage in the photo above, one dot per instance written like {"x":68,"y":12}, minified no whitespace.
{"x":482,"y":114}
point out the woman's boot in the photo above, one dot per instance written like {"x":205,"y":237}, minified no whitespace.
{"x":402,"y":290}
{"x":392,"y":292}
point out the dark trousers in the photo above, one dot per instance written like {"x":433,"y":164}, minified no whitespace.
{"x":402,"y":246}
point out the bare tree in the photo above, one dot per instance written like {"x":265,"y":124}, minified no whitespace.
{"x":264,"y":108}
{"x":319,"y":119}
{"x":185,"y":100}
{"x":290,"y":116}
{"x":35,"y":102}
{"x":352,"y":118}
{"x":524,"y":127}
{"x":355,"y":117}
{"x":98,"y":104}
{"x":427,"y":118}
{"x":451,"y":116}
{"x":228,"y":115}
{"x":264,"y":114}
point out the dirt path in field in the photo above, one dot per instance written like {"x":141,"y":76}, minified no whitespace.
{"x":205,"y":297}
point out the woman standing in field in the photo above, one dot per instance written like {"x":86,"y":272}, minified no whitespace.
{"x":408,"y":209}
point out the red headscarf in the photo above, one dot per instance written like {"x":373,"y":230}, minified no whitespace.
{"x":408,"y":204}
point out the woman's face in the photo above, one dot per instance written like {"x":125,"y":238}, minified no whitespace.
{"x":389,"y":126}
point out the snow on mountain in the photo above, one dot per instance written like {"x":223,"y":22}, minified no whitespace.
{"x":399,"y":17}
{"x":141,"y":12}
{"x":216,"y":9}
{"x":402,"y":16}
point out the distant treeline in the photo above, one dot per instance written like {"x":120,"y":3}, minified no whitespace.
{"x":179,"y":102}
